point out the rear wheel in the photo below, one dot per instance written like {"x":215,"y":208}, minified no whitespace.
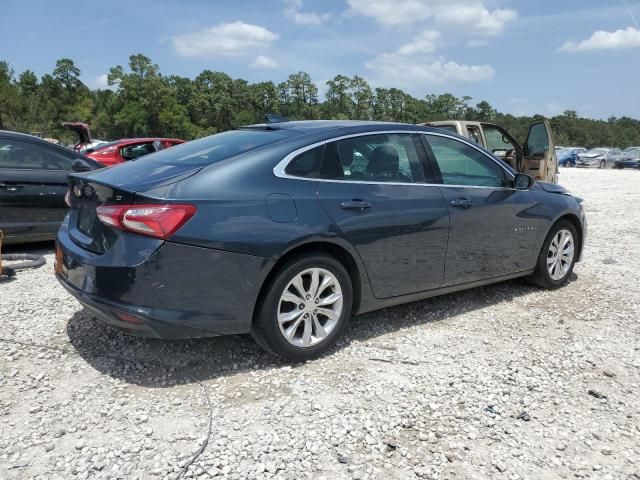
{"x":557,"y":257}
{"x":304,"y":309}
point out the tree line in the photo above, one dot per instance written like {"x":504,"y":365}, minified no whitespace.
{"x":141,"y":101}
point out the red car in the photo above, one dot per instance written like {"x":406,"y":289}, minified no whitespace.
{"x":120,"y":151}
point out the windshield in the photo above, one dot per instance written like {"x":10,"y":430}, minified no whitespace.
{"x":220,"y":146}
{"x":634,"y":154}
{"x":598,"y":151}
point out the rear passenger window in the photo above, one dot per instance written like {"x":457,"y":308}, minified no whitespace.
{"x":373,"y":158}
{"x":461,"y":164}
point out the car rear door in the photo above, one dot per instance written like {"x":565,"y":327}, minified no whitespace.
{"x":373,"y":188}
{"x":539,"y":153}
{"x":33,"y":183}
{"x":493,"y":227}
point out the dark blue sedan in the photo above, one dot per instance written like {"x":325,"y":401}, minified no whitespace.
{"x":286,"y":230}
{"x":568,"y":156}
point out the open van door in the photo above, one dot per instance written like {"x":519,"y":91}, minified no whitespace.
{"x":539,"y":153}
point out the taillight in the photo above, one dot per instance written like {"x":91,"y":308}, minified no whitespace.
{"x":159,"y":221}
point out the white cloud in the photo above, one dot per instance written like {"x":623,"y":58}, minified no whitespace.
{"x":293,"y":10}
{"x":426,"y":42}
{"x":601,"y":40}
{"x":263,"y":62}
{"x":471,"y":15}
{"x":227,"y":39}
{"x":401,"y":70}
{"x":476,"y":17}
{"x":412,"y":64}
{"x":102,"y":81}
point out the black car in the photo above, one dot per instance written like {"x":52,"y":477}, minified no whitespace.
{"x":285,"y":230}
{"x":631,"y":159}
{"x":33,"y":184}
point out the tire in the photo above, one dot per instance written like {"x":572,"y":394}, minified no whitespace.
{"x":603,"y":164}
{"x":311,"y":332}
{"x":542,"y":275}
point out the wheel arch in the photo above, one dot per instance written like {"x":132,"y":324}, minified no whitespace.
{"x":348,"y":259}
{"x":577,"y":224}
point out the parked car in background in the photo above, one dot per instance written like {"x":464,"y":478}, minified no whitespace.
{"x":630,"y":159}
{"x":127,"y":149}
{"x":286,"y":229}
{"x":599,"y":157}
{"x":535,"y":157}
{"x":630,"y":149}
{"x":568,"y":156}
{"x":33,"y":184}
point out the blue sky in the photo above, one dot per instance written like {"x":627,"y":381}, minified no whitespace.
{"x":523,"y":56}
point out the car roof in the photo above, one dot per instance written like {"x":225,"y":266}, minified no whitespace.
{"x":34,"y":139}
{"x":348,"y":126}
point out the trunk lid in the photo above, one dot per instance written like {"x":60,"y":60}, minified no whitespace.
{"x":82,"y":130}
{"x":113,"y":186}
{"x":85,"y":196}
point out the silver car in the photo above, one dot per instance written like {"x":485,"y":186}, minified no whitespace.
{"x":599,"y":157}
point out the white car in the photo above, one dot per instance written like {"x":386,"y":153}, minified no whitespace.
{"x":599,"y":157}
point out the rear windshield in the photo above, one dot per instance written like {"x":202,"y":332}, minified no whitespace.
{"x":220,"y":146}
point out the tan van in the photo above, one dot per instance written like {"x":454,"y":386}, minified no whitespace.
{"x":537,"y":156}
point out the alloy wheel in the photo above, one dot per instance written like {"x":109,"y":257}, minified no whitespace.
{"x":310,"y":307}
{"x":560,"y":254}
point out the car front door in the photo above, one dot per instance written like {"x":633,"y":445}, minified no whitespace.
{"x":33,"y":183}
{"x":539,"y":153}
{"x":493,"y":227}
{"x":373,"y":188}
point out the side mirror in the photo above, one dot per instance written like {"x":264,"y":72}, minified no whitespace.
{"x":523,"y":182}
{"x":80,"y":166}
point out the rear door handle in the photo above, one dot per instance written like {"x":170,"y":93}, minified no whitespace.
{"x":355,"y":205}
{"x":462,"y":203}
{"x":10,"y":187}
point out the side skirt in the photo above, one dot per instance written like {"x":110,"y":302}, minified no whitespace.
{"x":378,"y":304}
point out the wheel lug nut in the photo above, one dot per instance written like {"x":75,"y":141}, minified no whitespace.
{"x":315,"y":312}
{"x":306,"y":315}
{"x":317,"y":301}
{"x":301,"y":306}
{"x":308,"y":297}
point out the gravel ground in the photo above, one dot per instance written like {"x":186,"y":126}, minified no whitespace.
{"x":506,"y":381}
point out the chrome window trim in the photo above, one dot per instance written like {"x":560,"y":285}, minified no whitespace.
{"x":279,"y":169}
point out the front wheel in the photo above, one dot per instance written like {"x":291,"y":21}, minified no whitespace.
{"x":305,"y":308}
{"x":603,"y":163}
{"x":557,"y":257}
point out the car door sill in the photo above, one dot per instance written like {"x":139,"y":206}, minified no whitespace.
{"x":380,"y":303}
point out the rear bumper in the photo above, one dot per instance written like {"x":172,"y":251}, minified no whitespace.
{"x":176,"y":291}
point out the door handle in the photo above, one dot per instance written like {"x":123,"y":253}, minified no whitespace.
{"x":9,"y":187}
{"x":462,"y":203}
{"x":355,"y":205}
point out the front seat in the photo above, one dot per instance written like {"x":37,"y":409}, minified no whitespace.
{"x":384,"y":164}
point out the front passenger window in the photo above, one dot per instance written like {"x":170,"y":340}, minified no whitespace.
{"x":461,"y":164}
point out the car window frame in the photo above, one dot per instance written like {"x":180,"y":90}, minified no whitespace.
{"x":281,"y":169}
{"x":508,"y":175}
{"x":47,"y":147}
{"x":428,"y":163}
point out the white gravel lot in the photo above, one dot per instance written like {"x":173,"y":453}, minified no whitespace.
{"x":489,"y":383}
